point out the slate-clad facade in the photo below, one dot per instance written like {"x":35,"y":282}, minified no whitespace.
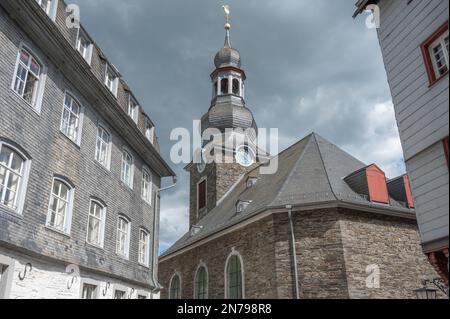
{"x":414,"y":41}
{"x":62,"y":252}
{"x":324,"y":225}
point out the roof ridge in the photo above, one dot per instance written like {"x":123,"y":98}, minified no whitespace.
{"x":296,"y":163}
{"x":324,"y":166}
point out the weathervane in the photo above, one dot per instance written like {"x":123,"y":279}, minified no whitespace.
{"x":226,"y":9}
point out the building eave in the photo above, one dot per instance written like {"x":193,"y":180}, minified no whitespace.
{"x":43,"y":31}
{"x":265,"y":212}
{"x":361,"y":6}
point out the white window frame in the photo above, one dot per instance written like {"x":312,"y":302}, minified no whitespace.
{"x":77,"y":138}
{"x":111,"y":84}
{"x":87,"y":53}
{"x":36,"y":103}
{"x":102,"y":223}
{"x":126,"y":254}
{"x":69,"y":209}
{"x":131,"y":180}
{"x":439,"y":41}
{"x":107,"y":163}
{"x":147,"y":197}
{"x":234,"y":253}
{"x":23,"y":184}
{"x":133,"y":109}
{"x":146,"y":257}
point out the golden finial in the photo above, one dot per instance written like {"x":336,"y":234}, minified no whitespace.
{"x":226,"y":9}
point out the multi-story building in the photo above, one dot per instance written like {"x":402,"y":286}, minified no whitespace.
{"x":80,"y":169}
{"x":323,"y":225}
{"x":413,"y":36}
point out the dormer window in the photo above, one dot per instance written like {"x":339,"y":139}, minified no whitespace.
{"x":49,"y":6}
{"x":369,"y":182}
{"x":251,"y":181}
{"x":150,"y":132}
{"x":84,"y":46}
{"x":111,"y":79}
{"x":241,"y":206}
{"x":133,"y":109}
{"x":195,"y":230}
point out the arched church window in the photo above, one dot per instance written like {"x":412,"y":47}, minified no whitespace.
{"x":234,"y":278}
{"x":175,"y":287}
{"x":215,"y":88}
{"x":224,"y":86}
{"x":235,"y":86}
{"x":201,"y":283}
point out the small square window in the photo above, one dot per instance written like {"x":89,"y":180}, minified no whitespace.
{"x":435,"y":51}
{"x":119,"y":294}
{"x":89,"y":292}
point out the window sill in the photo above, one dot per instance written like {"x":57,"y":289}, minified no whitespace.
{"x":10,"y":214}
{"x":27,"y":105}
{"x":94,"y":246}
{"x":126,"y":186}
{"x":57,"y":231}
{"x":123,"y":258}
{"x":147,"y":202}
{"x":78,"y":146}
{"x":147,"y":267}
{"x":434,"y":82}
{"x":106,"y":169}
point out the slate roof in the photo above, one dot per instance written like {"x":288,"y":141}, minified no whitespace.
{"x":310,"y":173}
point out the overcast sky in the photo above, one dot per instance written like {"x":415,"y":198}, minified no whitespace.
{"x":310,"y":67}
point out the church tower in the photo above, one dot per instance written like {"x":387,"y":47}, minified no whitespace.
{"x":211,"y":182}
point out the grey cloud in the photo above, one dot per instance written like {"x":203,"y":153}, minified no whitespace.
{"x":310,"y":67}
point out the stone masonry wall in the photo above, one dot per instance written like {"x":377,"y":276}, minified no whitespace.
{"x":255,"y":243}
{"x":390,"y":243}
{"x":334,"y":247}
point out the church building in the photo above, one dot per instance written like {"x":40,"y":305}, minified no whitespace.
{"x":324,"y":225}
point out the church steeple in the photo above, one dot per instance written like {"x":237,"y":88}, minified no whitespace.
{"x":211,"y":182}
{"x":228,"y":109}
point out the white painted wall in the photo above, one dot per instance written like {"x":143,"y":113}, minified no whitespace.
{"x":48,"y":280}
{"x":422,"y":111}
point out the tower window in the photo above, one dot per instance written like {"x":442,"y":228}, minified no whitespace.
{"x":201,"y":194}
{"x":235,"y":86}
{"x":215,"y":88}
{"x":224,"y":86}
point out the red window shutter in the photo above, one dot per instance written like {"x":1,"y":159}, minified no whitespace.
{"x":376,"y":181}
{"x":409,"y":196}
{"x":202,"y":195}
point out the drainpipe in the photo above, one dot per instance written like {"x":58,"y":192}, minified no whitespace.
{"x":156,"y":212}
{"x":294,"y":252}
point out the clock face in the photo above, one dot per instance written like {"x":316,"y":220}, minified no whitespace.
{"x":201,"y":167}
{"x":245,"y":157}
